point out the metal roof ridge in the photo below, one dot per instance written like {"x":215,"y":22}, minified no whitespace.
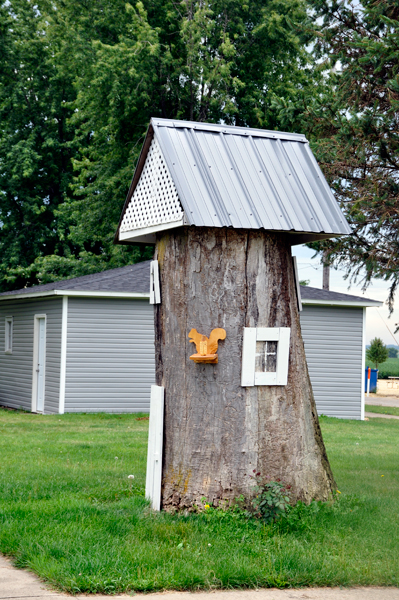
{"x":229,"y":129}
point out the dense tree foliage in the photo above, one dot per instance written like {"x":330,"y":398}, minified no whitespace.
{"x":35,"y":142}
{"x":353,"y":124}
{"x":79,"y":83}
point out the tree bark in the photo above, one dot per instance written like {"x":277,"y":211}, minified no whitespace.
{"x":216,"y":433}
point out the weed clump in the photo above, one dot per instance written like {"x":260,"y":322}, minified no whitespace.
{"x":271,"y":499}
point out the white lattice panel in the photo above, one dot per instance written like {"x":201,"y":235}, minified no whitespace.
{"x":155,"y":200}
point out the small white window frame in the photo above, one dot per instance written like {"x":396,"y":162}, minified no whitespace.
{"x":281,"y":335}
{"x":8,"y":335}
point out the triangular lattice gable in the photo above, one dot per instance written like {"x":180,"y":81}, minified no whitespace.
{"x":155,"y":200}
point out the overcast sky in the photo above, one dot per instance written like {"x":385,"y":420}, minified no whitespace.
{"x":379,"y":324}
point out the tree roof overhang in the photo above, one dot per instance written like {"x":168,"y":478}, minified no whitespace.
{"x":236,"y":177}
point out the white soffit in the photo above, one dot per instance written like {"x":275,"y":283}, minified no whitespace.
{"x":155,"y":201}
{"x":356,"y":303}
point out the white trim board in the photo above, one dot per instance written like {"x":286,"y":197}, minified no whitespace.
{"x":95,"y":294}
{"x":362,"y":399}
{"x":153,"y":480}
{"x":360,"y":304}
{"x":90,"y":294}
{"x":147,"y":234}
{"x":64,"y":333}
{"x":297,"y":285}
{"x":155,"y":290}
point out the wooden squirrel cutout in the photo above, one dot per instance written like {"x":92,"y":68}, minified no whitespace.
{"x":206,"y":347}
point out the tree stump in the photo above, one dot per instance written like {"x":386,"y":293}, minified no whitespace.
{"x":216,"y":432}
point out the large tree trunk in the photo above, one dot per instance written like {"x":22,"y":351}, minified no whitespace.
{"x":215,"y":431}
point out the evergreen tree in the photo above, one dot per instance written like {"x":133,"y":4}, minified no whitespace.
{"x":353,"y":124}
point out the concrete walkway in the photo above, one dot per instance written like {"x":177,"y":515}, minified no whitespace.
{"x":17,"y":584}
{"x":381,"y":400}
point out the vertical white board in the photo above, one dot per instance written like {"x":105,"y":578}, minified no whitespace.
{"x":154,"y":452}
{"x":248,"y":357}
{"x":297,"y":286}
{"x":155,"y":290}
{"x":283,"y":353}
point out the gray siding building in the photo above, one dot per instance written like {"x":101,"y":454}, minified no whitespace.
{"x":98,"y":351}
{"x":16,"y":365}
{"x":333,"y":330}
{"x":98,"y":347}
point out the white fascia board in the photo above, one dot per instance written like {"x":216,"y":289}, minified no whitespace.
{"x":356,"y":303}
{"x":31,"y":295}
{"x":93,"y":294}
{"x":99,"y":294}
{"x":147,"y":234}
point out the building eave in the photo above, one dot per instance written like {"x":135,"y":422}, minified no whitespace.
{"x":354,"y":304}
{"x":80,"y":293}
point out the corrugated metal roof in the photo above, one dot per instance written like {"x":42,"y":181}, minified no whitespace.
{"x":246,"y":178}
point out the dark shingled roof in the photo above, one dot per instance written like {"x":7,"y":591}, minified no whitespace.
{"x":311,"y":293}
{"x":133,"y":279}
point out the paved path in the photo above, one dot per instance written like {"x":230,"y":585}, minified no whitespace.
{"x":17,"y":584}
{"x":382,"y":400}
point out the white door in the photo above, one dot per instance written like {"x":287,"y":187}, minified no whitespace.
{"x":40,"y":354}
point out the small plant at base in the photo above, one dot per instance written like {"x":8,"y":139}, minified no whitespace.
{"x":271,"y":500}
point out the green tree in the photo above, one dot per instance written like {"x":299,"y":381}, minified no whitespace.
{"x":80,"y":82}
{"x":205,"y":61}
{"x":377,"y":352}
{"x":353,"y":125}
{"x":392,"y":352}
{"x":35,"y":138}
{"x":39,"y":62}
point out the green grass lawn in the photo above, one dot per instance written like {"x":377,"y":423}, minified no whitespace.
{"x":385,"y":410}
{"x":68,"y":513}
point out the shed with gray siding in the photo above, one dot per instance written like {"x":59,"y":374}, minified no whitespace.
{"x":99,"y":353}
{"x":333,"y":330}
{"x":99,"y":344}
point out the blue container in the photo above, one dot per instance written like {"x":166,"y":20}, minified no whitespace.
{"x":373,"y":380}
